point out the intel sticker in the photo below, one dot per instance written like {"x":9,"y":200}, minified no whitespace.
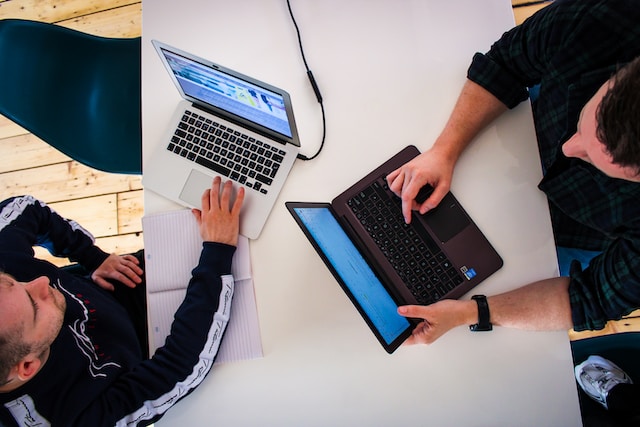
{"x":469,"y":273}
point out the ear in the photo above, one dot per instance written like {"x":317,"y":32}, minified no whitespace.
{"x":28,"y":367}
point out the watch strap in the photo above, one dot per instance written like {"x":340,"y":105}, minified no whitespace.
{"x":484,"y":317}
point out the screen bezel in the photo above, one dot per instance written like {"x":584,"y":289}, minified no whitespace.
{"x":406,"y":333}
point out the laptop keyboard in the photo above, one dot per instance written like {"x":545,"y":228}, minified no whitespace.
{"x":416,"y":257}
{"x":226,"y":151}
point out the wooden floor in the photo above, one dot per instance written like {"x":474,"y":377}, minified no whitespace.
{"x":108,"y":205}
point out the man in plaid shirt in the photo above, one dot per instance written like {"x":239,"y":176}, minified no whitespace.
{"x":587,"y":119}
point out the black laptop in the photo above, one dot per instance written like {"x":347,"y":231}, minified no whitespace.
{"x":381,"y":262}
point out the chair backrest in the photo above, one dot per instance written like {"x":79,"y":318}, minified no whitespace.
{"x":78,"y":92}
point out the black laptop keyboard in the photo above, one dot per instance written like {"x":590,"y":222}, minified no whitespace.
{"x":413,"y":253}
{"x":226,"y":151}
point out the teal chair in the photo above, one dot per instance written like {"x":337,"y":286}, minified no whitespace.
{"x":77,"y":92}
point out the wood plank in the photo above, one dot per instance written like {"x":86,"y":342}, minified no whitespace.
{"x":65,"y":181}
{"x":630,"y":323}
{"x":130,"y":211}
{"x":98,"y":215}
{"x":9,"y":129}
{"x":53,"y":11}
{"x":608,"y":329}
{"x":122,"y":244}
{"x":27,"y":151}
{"x":124,"y":22}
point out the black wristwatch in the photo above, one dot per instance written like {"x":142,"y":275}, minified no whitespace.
{"x":484,"y":322}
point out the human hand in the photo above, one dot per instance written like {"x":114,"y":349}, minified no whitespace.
{"x":438,"y":319}
{"x":219,"y":219}
{"x":433,"y":167}
{"x":122,"y":268}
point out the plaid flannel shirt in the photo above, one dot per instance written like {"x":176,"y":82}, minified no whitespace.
{"x":569,"y":49}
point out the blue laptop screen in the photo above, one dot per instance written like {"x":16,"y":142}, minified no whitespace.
{"x":229,"y":93}
{"x":354,"y":271}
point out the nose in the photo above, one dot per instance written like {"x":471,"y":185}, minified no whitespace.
{"x":573,"y":148}
{"x":39,"y":288}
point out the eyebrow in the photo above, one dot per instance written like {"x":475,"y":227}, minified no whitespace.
{"x":34,"y":305}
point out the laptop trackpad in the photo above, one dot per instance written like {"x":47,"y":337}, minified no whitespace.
{"x":194,"y":187}
{"x":447,"y":220}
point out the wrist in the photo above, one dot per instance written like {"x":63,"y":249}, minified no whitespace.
{"x":447,"y":148}
{"x":467,"y":312}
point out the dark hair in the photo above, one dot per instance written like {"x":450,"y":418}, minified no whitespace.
{"x":618,"y":117}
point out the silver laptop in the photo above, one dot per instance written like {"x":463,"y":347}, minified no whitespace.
{"x":229,"y":125}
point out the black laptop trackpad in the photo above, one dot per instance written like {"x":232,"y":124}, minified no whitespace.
{"x":448,"y":219}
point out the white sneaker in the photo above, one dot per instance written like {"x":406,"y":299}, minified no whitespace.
{"x":597,"y":376}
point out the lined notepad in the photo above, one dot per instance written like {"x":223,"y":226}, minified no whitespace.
{"x":172,"y":249}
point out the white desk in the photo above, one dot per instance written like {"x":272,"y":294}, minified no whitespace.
{"x":390,"y":72}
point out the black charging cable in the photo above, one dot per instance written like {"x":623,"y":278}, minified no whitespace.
{"x":314,"y":85}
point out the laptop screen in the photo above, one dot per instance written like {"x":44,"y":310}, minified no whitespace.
{"x":230,"y":93}
{"x":356,"y":274}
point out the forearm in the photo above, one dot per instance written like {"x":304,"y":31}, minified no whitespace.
{"x":538,"y":306}
{"x":542,"y":305}
{"x":30,"y":222}
{"x":475,"y":109}
{"x":148,"y":390}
